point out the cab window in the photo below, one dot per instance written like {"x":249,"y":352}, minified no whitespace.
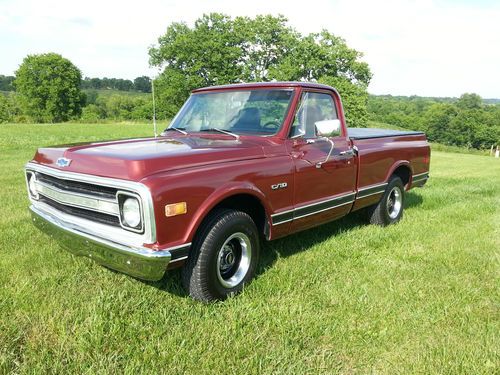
{"x":313,"y":107}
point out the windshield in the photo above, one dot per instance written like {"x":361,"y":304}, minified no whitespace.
{"x":259,"y":112}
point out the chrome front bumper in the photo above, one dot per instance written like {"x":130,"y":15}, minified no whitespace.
{"x":139,"y":262}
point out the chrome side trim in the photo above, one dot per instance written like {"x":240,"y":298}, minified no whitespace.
{"x":368,"y":187}
{"x":282,"y":212}
{"x":325,"y":209}
{"x":283,"y":221}
{"x":420,"y":179}
{"x":185,"y":245}
{"x":302,"y":211}
{"x":180,"y":252}
{"x":369,"y":195}
{"x":420,"y":176}
{"x":142,"y":190}
{"x":367,"y":191}
{"x":178,"y":259}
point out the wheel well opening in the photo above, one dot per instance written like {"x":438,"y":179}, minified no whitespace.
{"x":404,"y":173}
{"x":250,"y":205}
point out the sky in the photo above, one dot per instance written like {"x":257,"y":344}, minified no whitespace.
{"x":413,"y":47}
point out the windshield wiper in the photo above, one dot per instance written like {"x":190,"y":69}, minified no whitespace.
{"x":180,"y":130}
{"x":220,"y":131}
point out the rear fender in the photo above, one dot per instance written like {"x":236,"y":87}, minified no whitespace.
{"x":395,"y":166}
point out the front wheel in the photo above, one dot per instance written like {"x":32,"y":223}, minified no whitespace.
{"x":390,"y":208}
{"x":224,"y":258}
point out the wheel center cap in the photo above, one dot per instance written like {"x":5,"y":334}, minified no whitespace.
{"x":229,"y":259}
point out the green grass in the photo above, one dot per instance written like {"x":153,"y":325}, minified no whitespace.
{"x":418,"y":297}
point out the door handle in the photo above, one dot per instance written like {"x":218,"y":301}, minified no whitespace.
{"x":349,"y":152}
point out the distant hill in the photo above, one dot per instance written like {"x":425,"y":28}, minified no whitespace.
{"x":491,"y":101}
{"x":436,"y":99}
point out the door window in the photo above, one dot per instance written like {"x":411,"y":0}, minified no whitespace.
{"x":314,"y":107}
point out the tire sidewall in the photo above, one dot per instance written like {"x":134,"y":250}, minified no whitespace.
{"x":212,"y":244}
{"x":396,"y":181}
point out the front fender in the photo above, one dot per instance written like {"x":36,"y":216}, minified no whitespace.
{"x":226,"y":191}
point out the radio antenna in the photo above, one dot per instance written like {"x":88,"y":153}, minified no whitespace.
{"x":154,"y":107}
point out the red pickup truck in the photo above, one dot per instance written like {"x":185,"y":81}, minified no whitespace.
{"x":238,"y":164}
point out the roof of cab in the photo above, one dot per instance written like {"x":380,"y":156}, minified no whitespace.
{"x":265,"y":85}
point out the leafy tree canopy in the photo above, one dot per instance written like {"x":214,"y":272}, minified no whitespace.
{"x":221,"y":50}
{"x":48,"y":86}
{"x":470,"y":101}
{"x":142,"y":83}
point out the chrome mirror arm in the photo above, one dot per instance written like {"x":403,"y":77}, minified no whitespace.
{"x":320,"y":163}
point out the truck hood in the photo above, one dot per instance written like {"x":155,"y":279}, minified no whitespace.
{"x":134,"y":159}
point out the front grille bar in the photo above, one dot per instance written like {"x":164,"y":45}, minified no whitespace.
{"x":87,"y":202}
{"x":78,"y":187}
{"x":93,"y":216}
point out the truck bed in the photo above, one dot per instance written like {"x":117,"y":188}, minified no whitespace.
{"x":366,"y":133}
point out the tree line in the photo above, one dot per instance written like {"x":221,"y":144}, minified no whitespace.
{"x":467,"y":121}
{"x":141,"y":84}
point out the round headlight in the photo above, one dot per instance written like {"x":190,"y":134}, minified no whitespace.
{"x":32,"y":187}
{"x":131,"y":211}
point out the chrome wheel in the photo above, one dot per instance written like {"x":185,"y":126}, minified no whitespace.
{"x":394,"y":202}
{"x":233,"y":260}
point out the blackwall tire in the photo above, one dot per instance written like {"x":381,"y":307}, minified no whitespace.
{"x":390,"y":208}
{"x":224,"y":256}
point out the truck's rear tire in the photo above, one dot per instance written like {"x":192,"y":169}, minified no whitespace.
{"x":389,"y":209}
{"x":224,"y":256}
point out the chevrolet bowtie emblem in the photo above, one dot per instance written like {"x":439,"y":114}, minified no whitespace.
{"x":63,"y":162}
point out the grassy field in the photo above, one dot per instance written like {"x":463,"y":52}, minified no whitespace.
{"x":418,"y":297}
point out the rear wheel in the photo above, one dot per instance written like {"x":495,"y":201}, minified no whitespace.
{"x":224,"y":258}
{"x":389,"y":210}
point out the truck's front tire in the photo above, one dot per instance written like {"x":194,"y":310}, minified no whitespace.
{"x":390,"y":208}
{"x":224,"y":256}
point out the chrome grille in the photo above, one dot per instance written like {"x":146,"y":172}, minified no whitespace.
{"x":84,"y":200}
{"x":77,"y":186}
{"x":91,"y":202}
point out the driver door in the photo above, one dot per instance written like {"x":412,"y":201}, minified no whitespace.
{"x":325,"y":172}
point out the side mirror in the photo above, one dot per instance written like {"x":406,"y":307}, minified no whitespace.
{"x":328,"y":128}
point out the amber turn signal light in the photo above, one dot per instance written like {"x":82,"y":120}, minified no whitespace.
{"x":175,"y":209}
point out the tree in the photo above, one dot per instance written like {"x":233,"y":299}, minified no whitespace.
{"x":354,"y":100}
{"x":48,"y":86}
{"x":4,"y":109}
{"x":470,"y":101}
{"x":142,"y":83}
{"x":266,"y":41}
{"x":220,"y":50}
{"x":6,"y":83}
